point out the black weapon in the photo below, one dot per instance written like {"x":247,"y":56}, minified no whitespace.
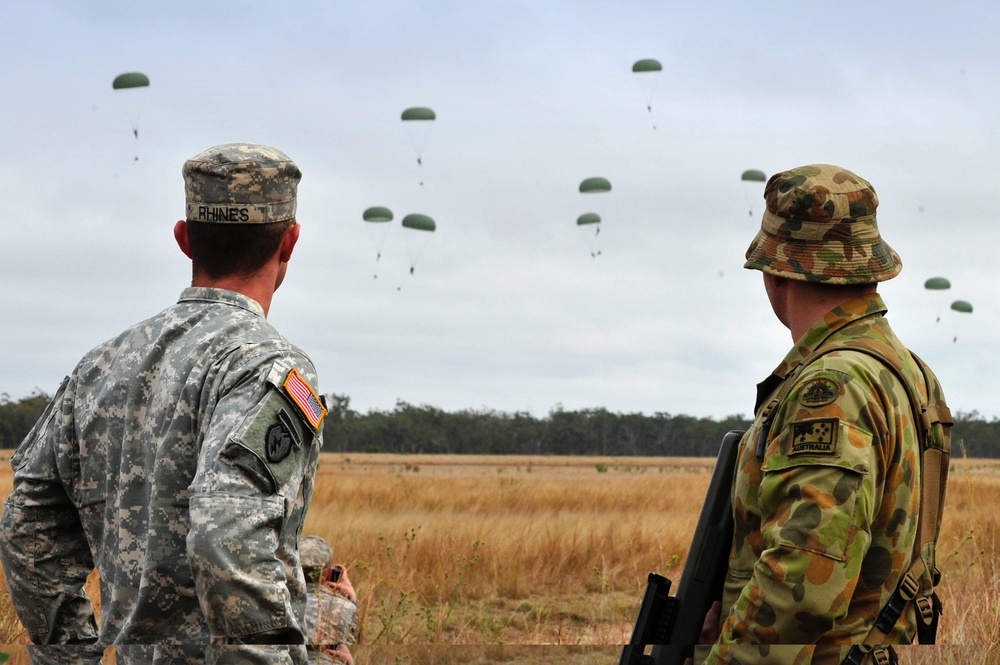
{"x":672,"y":624}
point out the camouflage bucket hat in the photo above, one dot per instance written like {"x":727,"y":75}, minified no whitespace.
{"x":820,"y":226}
{"x":240,"y":183}
{"x":315,"y":554}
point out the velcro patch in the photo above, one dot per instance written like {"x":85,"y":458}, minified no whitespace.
{"x":304,"y":397}
{"x":819,"y":391}
{"x":280,"y":438}
{"x":814,"y":437}
{"x":263,"y":448}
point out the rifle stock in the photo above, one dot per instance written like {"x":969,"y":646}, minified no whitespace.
{"x":672,"y":624}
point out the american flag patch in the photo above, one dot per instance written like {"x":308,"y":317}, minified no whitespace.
{"x":305,"y":398}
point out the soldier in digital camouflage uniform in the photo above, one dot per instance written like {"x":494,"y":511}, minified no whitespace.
{"x":178,"y":458}
{"x":331,"y":612}
{"x":826,"y":494}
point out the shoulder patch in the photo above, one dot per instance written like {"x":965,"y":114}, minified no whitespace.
{"x":814,"y":437}
{"x":819,"y":392}
{"x":266,"y":446}
{"x":304,"y":397}
{"x":280,"y":438}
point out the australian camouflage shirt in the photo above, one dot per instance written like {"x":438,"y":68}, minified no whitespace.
{"x":178,"y":460}
{"x":825,"y":499}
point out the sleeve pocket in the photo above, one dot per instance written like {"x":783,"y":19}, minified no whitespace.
{"x":813,"y":475}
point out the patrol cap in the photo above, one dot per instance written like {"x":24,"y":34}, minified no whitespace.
{"x":315,"y":554}
{"x":820,"y":226}
{"x":240,"y":183}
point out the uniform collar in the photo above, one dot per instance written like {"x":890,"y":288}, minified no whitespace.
{"x":870,"y":304}
{"x":222,"y":296}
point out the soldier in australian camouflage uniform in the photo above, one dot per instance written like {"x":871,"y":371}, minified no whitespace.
{"x":826,"y":494}
{"x":178,"y":458}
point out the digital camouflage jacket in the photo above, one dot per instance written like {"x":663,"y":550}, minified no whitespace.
{"x":178,"y":460}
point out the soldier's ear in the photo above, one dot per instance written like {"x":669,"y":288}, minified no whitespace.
{"x":181,"y":236}
{"x":288,"y":242}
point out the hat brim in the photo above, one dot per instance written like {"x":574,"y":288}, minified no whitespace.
{"x":811,"y":261}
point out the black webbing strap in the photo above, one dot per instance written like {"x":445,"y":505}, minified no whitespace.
{"x":881,"y":655}
{"x":904,"y":593}
{"x":928,"y":610}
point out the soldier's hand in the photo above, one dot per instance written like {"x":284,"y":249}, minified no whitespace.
{"x":341,"y":654}
{"x":710,"y":627}
{"x":343,"y":585}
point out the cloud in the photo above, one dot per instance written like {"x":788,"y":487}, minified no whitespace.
{"x":506,"y":308}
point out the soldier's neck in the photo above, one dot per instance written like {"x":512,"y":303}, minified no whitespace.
{"x":259,"y":286}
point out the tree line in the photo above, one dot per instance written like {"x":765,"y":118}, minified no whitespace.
{"x":409,"y":428}
{"x":427,"y":429}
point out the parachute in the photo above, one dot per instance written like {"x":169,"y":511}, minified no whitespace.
{"x":647,"y":73}
{"x":418,"y":121}
{"x":938,"y":284}
{"x":130,"y":80}
{"x":752,"y":190}
{"x":418,"y":113}
{"x":963,"y":307}
{"x":377,"y":216}
{"x":131,"y":87}
{"x":419,"y":222}
{"x":595,"y":184}
{"x":421,"y":225}
{"x":589,"y":220}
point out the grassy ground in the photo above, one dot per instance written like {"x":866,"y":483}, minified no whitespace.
{"x":544,"y":559}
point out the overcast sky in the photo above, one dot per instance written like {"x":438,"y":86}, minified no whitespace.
{"x":505,"y":309}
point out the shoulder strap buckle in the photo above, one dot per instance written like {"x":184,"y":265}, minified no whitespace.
{"x":925,"y":609}
{"x":908,"y":587}
{"x":884,"y":655}
{"x":929,"y":610}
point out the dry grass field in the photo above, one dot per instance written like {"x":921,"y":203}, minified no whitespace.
{"x":544,"y":559}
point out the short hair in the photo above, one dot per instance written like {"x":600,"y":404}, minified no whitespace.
{"x":225,"y":250}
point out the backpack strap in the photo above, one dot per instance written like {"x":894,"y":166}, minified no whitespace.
{"x":917,"y":585}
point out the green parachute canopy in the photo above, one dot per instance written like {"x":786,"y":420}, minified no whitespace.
{"x":595,"y":184}
{"x":418,"y":113}
{"x":586,"y":222}
{"x":419,"y":222}
{"x":415,"y":242}
{"x":418,"y":123}
{"x":647,"y":74}
{"x":751,"y":187}
{"x":130,"y":80}
{"x":132,"y":89}
{"x":646,"y":65}
{"x":963,"y":306}
{"x":937,"y":284}
{"x":377,"y":214}
{"x":377,"y":230}
{"x":940,"y":286}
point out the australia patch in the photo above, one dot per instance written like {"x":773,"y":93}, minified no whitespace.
{"x":818,"y":392}
{"x":814,"y":437}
